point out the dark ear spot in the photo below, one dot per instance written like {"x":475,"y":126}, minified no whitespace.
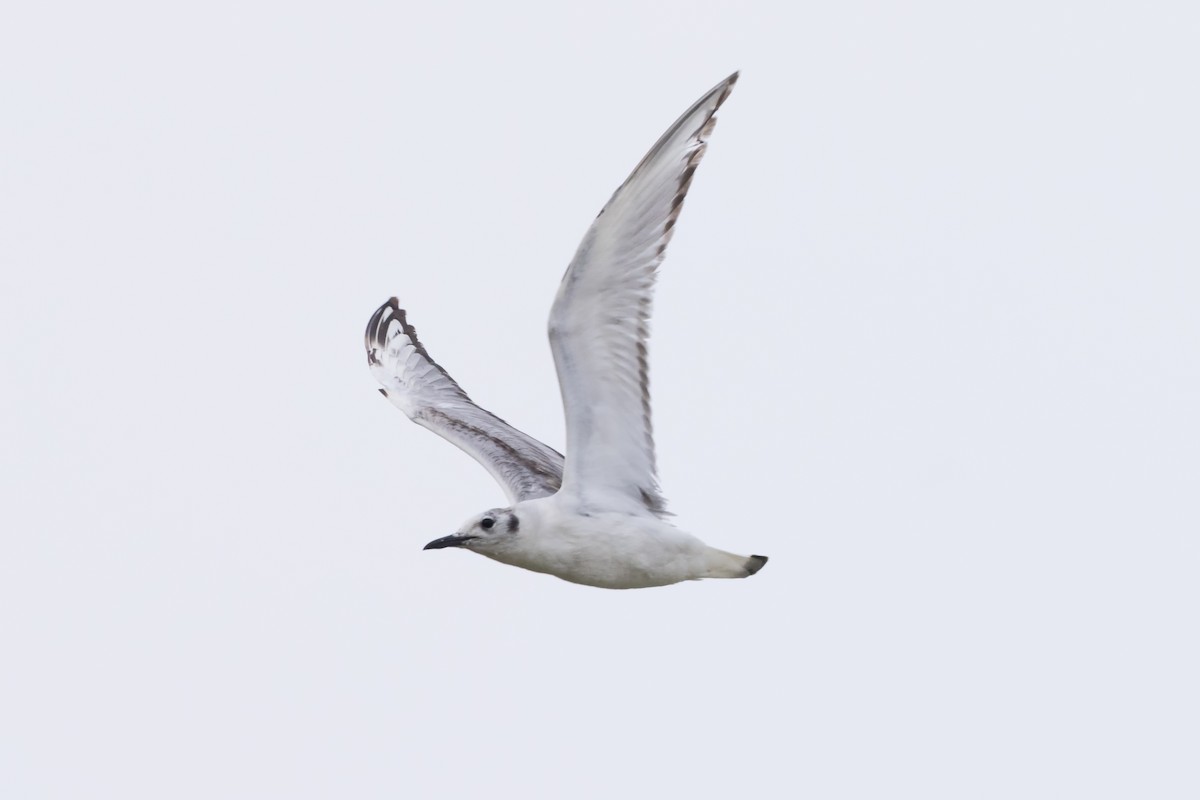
{"x":513,"y":523}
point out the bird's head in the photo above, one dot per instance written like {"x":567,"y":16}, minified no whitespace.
{"x":482,"y":532}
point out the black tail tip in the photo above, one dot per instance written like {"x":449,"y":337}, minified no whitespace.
{"x":755,"y":563}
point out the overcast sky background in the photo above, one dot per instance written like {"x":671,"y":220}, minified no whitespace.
{"x":927,"y":337}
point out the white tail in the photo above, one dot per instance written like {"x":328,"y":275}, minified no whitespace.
{"x":729,"y":565}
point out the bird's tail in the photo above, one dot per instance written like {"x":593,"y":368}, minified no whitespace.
{"x":730,"y":565}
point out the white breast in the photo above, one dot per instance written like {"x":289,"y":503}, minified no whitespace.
{"x":608,"y":549}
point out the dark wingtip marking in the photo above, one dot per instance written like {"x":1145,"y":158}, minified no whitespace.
{"x":376,"y":336}
{"x":401,"y":316}
{"x":377,"y":326}
{"x":755,"y":563}
{"x":729,"y":82}
{"x":383,"y":392}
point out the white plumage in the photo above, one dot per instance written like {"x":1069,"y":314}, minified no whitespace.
{"x":597,"y":516}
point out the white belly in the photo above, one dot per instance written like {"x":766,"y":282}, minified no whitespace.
{"x":612,"y":551}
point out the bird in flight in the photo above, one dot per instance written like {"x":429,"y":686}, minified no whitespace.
{"x":595,"y":516}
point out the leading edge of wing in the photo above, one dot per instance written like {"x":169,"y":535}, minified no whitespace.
{"x":416,"y":384}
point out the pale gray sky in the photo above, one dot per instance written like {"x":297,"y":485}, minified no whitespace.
{"x":927,"y":336}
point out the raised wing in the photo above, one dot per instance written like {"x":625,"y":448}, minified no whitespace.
{"x":415,"y":384}
{"x":600,"y":322}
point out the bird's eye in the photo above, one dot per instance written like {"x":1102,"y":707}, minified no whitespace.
{"x":486,"y":523}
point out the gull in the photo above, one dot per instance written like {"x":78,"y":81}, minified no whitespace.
{"x":596,"y":516}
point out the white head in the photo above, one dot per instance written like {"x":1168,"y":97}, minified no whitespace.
{"x":484,"y":532}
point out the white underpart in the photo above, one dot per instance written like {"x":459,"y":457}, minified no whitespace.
{"x":596,"y":518}
{"x":611,"y":549}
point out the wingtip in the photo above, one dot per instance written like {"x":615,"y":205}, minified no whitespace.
{"x":389,"y":311}
{"x":378,"y":324}
{"x":380,"y":331}
{"x":713,"y":102}
{"x":725,"y":87}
